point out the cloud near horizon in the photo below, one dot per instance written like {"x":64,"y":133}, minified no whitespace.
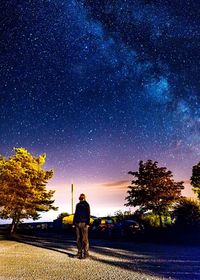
{"x":121,"y":184}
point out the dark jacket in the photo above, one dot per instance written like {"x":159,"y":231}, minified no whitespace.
{"x":82,"y":213}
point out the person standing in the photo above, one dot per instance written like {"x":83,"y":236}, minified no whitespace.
{"x":82,"y":221}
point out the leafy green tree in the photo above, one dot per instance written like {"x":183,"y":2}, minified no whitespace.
{"x":195,"y":179}
{"x":153,"y":188}
{"x":118,"y":215}
{"x":23,"y":192}
{"x":187,"y":212}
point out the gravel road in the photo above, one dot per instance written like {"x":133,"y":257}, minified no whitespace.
{"x":44,"y":258}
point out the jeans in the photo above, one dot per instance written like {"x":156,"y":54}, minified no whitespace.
{"x":82,"y":238}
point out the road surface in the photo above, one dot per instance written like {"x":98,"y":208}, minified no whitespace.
{"x":42,"y":258}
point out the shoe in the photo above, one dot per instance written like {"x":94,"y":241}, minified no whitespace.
{"x":79,"y":255}
{"x":86,"y":255}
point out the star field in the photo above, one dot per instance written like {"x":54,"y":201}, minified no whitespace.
{"x":99,"y":85}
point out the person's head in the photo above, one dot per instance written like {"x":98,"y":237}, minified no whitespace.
{"x":82,"y":197}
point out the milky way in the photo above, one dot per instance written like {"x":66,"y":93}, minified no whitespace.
{"x":100,"y":84}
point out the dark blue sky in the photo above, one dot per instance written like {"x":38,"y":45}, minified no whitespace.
{"x":99,"y":85}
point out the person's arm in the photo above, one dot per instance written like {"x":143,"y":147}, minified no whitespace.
{"x":88,"y":215}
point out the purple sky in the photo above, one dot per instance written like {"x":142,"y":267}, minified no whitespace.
{"x":99,"y":86}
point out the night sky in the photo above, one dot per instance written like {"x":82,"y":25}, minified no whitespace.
{"x":98,"y":85}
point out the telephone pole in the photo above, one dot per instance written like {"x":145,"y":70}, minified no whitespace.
{"x":72,"y":193}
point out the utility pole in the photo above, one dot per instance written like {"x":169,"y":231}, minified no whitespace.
{"x":72,"y":193}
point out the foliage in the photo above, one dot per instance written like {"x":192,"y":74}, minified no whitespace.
{"x":153,"y":189}
{"x":23,"y":191}
{"x":69,"y":219}
{"x":62,"y":215}
{"x":119,"y":215}
{"x":153,"y":221}
{"x":195,"y":179}
{"x":187,"y":212}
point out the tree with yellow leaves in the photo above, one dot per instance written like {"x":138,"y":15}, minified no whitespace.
{"x":23,"y":192}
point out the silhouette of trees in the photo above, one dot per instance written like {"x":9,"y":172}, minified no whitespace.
{"x":195,"y":179}
{"x":153,"y":188}
{"x":187,"y":212}
{"x":23,"y":192}
{"x":119,"y":215}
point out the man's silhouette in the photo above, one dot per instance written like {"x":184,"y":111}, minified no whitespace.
{"x":82,"y":221}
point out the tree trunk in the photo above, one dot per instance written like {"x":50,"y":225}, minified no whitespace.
{"x":160,"y":219}
{"x":13,"y":227}
{"x":15,"y":223}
